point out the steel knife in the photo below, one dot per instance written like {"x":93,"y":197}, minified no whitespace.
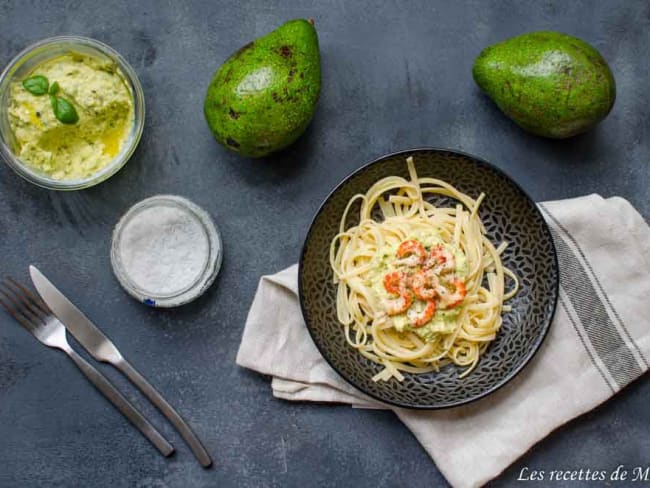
{"x":102,"y":349}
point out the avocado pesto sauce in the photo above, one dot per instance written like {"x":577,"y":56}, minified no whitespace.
{"x":443,"y":321}
{"x":71,"y":151}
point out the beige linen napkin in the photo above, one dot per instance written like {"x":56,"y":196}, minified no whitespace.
{"x":598,"y":343}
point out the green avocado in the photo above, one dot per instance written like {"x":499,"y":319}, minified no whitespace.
{"x":264,"y":96}
{"x":549,"y":83}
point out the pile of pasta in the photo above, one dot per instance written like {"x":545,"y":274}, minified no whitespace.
{"x":401,"y":210}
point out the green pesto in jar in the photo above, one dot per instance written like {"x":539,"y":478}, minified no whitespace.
{"x":100,"y":94}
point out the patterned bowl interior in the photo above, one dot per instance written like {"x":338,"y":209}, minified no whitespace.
{"x":508,"y":214}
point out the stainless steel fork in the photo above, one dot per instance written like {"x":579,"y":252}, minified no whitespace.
{"x":33,"y":314}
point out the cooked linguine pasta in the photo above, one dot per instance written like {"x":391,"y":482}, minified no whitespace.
{"x":419,"y":286}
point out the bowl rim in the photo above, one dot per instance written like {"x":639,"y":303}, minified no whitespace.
{"x":539,"y":339}
{"x":23,"y":169}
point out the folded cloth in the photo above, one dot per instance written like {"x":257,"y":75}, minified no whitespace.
{"x":598,"y":343}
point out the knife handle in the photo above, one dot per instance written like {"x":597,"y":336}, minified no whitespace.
{"x":122,"y":404}
{"x":168,"y":411}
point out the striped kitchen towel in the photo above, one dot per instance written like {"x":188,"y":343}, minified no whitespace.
{"x":598,"y":343}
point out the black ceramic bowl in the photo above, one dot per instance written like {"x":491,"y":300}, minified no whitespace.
{"x":508,"y":214}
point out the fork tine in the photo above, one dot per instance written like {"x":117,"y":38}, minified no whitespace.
{"x":27,"y":307}
{"x":21,"y":305}
{"x":14,"y":313}
{"x":37,"y":301}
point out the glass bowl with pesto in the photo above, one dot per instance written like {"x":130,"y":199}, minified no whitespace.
{"x":71,"y":113}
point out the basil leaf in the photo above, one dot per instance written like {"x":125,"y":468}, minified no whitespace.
{"x":36,"y":85}
{"x":54,"y":88}
{"x":64,"y":111}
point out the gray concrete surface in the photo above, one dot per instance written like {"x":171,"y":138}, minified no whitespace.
{"x":395,"y":75}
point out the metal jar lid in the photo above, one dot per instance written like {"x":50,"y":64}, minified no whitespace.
{"x":141,"y":256}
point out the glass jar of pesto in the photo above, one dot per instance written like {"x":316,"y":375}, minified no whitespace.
{"x":71,"y":113}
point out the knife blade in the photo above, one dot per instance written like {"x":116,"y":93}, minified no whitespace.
{"x":80,"y":326}
{"x":102,"y":349}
